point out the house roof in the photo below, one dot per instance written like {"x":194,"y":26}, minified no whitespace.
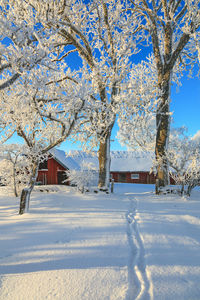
{"x":65,"y":160}
{"x":121,"y":161}
{"x":124,"y":161}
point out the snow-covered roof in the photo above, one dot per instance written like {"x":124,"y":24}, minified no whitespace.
{"x":65,"y":160}
{"x":124,"y":161}
{"x":121,"y":161}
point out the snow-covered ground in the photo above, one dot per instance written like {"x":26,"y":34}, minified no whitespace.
{"x":128,"y":245}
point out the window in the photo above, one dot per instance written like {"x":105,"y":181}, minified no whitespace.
{"x":122,"y":177}
{"x":43,"y":165}
{"x":135,"y":176}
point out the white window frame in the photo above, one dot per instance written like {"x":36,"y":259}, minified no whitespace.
{"x":135,"y":176}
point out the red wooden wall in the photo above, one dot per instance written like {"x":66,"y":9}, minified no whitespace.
{"x":144,"y":177}
{"x":50,"y":176}
{"x":55,"y":173}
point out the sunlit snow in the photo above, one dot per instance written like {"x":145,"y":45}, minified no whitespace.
{"x":128,"y":245}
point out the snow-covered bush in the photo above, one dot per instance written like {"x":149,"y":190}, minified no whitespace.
{"x":84,"y":178}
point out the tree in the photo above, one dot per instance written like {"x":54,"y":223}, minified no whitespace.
{"x":137,"y":110}
{"x":173,"y":29}
{"x":43,"y":110}
{"x":14,"y":167}
{"x":100,"y":32}
{"x":21,"y":44}
{"x":183,"y":156}
{"x":83,"y":178}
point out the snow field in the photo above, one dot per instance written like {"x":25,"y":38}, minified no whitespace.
{"x":170,"y":233}
{"x":68,"y":247}
{"x":130,"y":245}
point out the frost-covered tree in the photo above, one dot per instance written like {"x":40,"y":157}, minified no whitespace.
{"x":14,"y":166}
{"x":43,"y":110}
{"x":102,"y":34}
{"x":83,"y":178}
{"x":22,"y":45}
{"x":173,"y":30}
{"x":137,"y":113}
{"x":183,"y":155}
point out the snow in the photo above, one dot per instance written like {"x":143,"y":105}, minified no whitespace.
{"x":128,"y":245}
{"x":64,"y":159}
{"x":121,"y":161}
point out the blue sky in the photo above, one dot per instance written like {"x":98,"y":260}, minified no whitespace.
{"x":186,"y":104}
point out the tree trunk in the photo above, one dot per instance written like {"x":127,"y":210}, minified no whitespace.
{"x":163,"y":127}
{"x":26,"y":192}
{"x":14,"y":182}
{"x":182,"y":189}
{"x":189,"y":189}
{"x":104,"y":163}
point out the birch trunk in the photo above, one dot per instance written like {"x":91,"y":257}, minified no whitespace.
{"x":26,"y":192}
{"x":104,"y":163}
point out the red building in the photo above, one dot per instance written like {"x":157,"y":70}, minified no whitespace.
{"x":126,"y":166}
{"x":133,"y":177}
{"x":53,"y":170}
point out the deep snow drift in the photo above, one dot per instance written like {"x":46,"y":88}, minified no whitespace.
{"x":128,"y":245}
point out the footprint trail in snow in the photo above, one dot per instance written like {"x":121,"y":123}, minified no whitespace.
{"x":139,"y":284}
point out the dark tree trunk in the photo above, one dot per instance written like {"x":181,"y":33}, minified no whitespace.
{"x":14,"y":182}
{"x":23,"y":201}
{"x":182,"y":189}
{"x":104,"y":163}
{"x":163,"y":127}
{"x":190,"y":187}
{"x":26,"y":192}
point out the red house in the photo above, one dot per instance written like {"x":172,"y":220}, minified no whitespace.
{"x":53,"y":170}
{"x":126,"y":166}
{"x":132,"y":167}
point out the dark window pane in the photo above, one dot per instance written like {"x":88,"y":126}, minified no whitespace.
{"x":43,"y":165}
